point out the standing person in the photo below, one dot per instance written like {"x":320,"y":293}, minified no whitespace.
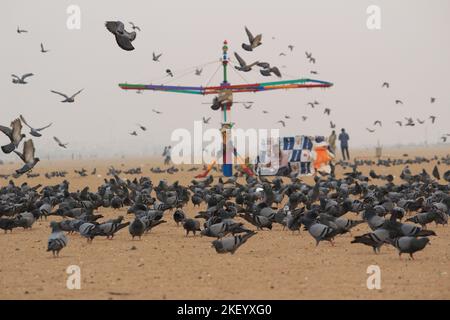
{"x":322,"y":157}
{"x":343,"y":138}
{"x":332,"y":141}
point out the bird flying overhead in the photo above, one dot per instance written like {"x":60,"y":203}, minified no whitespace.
{"x":35,"y":132}
{"x":242,"y":64}
{"x":21,"y":80}
{"x":156,"y":56}
{"x":123,"y":37}
{"x":62,"y":145}
{"x":253,"y":41}
{"x":134,"y":27}
{"x":68,"y":99}
{"x":42,"y":49}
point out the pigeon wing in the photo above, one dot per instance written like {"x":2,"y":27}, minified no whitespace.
{"x":16,"y":126}
{"x":28,"y":151}
{"x":40,"y":129}
{"x":124,"y":43}
{"x":113,"y":26}
{"x":24,"y":121}
{"x":57,"y":140}
{"x":75,"y":94}
{"x":239,"y":59}
{"x":276,"y":71}
{"x":26,"y":75}
{"x":6,"y":131}
{"x":61,"y":94}
{"x":249,"y":35}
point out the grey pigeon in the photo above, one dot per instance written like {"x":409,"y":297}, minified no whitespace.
{"x":243,"y":66}
{"x":253,"y":41}
{"x":35,"y":132}
{"x":42,"y":49}
{"x":409,"y":245}
{"x":136,"y":228}
{"x":57,"y":239}
{"x":319,"y":231}
{"x":14,"y":134}
{"x":123,"y":37}
{"x":374,"y":239}
{"x":27,"y":157}
{"x":69,"y":99}
{"x":21,"y":80}
{"x":156,"y":57}
{"x":231,"y":244}
{"x":62,"y":145}
{"x":134,"y":27}
{"x":191,"y":225}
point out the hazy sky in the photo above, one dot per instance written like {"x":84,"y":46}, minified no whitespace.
{"x":411,"y":51}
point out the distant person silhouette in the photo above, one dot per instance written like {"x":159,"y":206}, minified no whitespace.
{"x":343,"y":139}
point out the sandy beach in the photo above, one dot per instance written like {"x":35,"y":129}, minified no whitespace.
{"x":165,"y":264}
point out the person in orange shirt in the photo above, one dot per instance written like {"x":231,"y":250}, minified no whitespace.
{"x":321,"y":156}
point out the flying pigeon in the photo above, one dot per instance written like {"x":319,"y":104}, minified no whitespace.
{"x":291,"y":47}
{"x":282,"y":123}
{"x":34,"y":132}
{"x":253,"y":41}
{"x":420,"y":121}
{"x":156,"y":57}
{"x":134,"y":27}
{"x":313,"y":72}
{"x":332,"y":125}
{"x":156,"y":111}
{"x":198,"y":72}
{"x":68,"y":99}
{"x":123,"y":37}
{"x":268,"y":72}
{"x":169,"y":72}
{"x":432,"y":100}
{"x":206,"y":120}
{"x":248,"y":106}
{"x":398,"y":102}
{"x":21,"y":80}
{"x":134,"y":133}
{"x":304,"y":118}
{"x":377,"y":122}
{"x":27,"y":157}
{"x":399,"y":123}
{"x":385,"y":85}
{"x":62,"y":145}
{"x":14,"y":134}
{"x":242,"y":64}
{"x":143,"y":128}
{"x":433,"y":119}
{"x":327,"y":111}
{"x":42,"y":49}
{"x":370,"y":130}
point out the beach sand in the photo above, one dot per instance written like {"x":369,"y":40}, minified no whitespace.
{"x":166,"y":265}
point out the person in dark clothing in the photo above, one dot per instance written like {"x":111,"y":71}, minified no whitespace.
{"x":343,"y":139}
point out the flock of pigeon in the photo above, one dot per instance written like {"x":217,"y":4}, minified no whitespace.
{"x":15,"y":136}
{"x":408,"y":121}
{"x":397,"y":214}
